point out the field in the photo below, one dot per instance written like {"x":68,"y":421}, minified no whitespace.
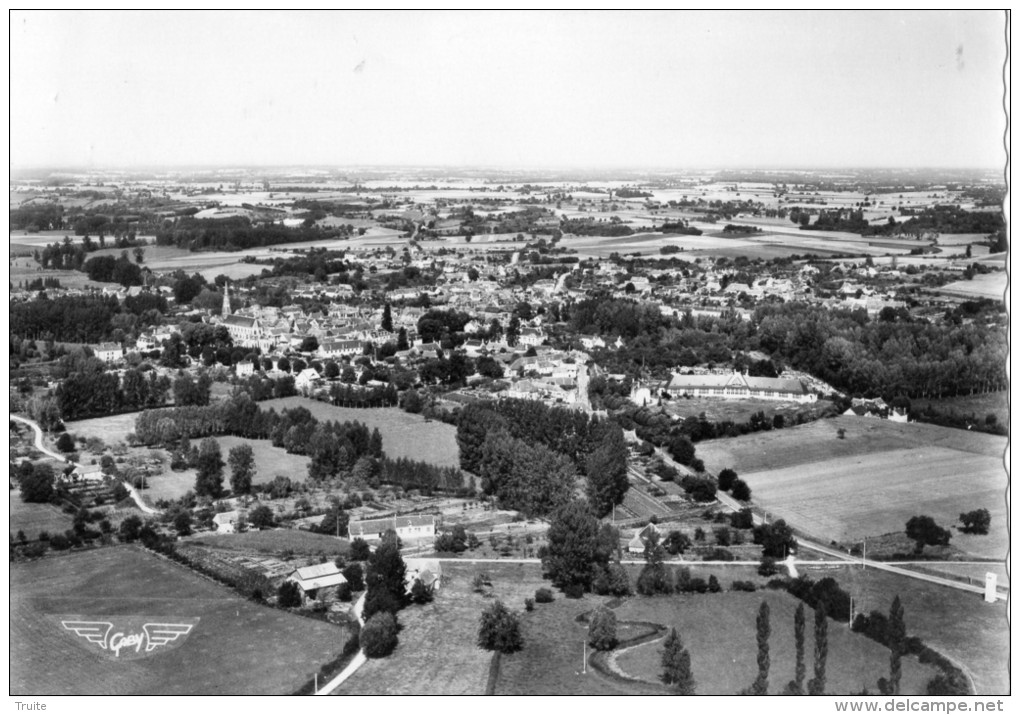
{"x":880,"y":475}
{"x":111,"y":429}
{"x":257,"y":650}
{"x":404,"y":434}
{"x":956,"y":623}
{"x":986,"y":285}
{"x":995,"y":403}
{"x":272,"y":542}
{"x":719,"y":632}
{"x":741,"y":410}
{"x":448,"y":625}
{"x":33,"y":518}
{"x":269,"y":460}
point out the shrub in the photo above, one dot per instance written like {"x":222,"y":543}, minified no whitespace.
{"x":380,"y":600}
{"x":544,"y":595}
{"x":379,"y":636}
{"x":743,"y":519}
{"x":722,"y":536}
{"x":420,"y":593}
{"x":713,"y":584}
{"x":676,"y":543}
{"x":355,"y":576}
{"x":288,"y":595}
{"x":743,"y":586}
{"x":500,"y":629}
{"x":602,"y":629}
{"x":573,"y":590}
{"x":767,"y":567}
{"x":740,"y":490}
{"x":529,"y":604}
{"x":360,"y":550}
{"x":719,"y":554}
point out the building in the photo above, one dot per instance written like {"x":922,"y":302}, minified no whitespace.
{"x":428,"y":571}
{"x":109,"y":352}
{"x":407,"y":527}
{"x":637,"y":544}
{"x":737,"y":386}
{"x":311,"y":578}
{"x":244,"y":331}
{"x":226,"y":523}
{"x":244,"y":368}
{"x":306,"y":379}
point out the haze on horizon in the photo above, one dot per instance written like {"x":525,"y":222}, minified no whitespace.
{"x":513,"y":89}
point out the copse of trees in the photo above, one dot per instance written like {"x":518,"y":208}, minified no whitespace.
{"x":925,"y":532}
{"x":579,"y":548}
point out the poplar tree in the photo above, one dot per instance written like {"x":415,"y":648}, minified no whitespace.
{"x":761,"y":683}
{"x":817,"y":684}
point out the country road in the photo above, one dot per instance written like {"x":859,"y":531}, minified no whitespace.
{"x":61,"y":458}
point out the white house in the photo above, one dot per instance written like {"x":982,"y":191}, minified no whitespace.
{"x":109,"y":352}
{"x":637,"y":544}
{"x":226,"y":522}
{"x":306,"y":379}
{"x":428,"y":571}
{"x":407,"y":527}
{"x":244,"y":368}
{"x":311,"y":578}
{"x":531,"y":337}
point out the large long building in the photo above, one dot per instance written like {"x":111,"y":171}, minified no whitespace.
{"x":740,"y":386}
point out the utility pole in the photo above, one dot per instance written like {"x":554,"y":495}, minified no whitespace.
{"x":584,"y":657}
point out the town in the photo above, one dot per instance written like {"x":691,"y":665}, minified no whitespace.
{"x":349,"y":396}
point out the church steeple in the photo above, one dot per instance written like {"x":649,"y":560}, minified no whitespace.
{"x":226,"y":300}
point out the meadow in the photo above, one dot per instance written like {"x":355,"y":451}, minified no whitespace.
{"x":985,"y":285}
{"x":874,"y":479}
{"x":33,"y":518}
{"x":719,"y":632}
{"x":254,"y":651}
{"x":404,"y":434}
{"x":273,"y":541}
{"x":989,"y":403}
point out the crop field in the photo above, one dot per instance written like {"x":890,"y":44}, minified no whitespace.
{"x":24,"y":269}
{"x":719,"y":632}
{"x":209,"y":263}
{"x":986,"y":285}
{"x":273,"y":541}
{"x":872,"y":481}
{"x":956,"y":623}
{"x":404,"y":434}
{"x":254,"y":650}
{"x":33,"y":518}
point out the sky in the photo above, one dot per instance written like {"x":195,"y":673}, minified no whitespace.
{"x":673,"y":90}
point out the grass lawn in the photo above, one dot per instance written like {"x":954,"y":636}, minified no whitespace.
{"x":273,"y":542}
{"x":33,"y":518}
{"x":237,"y":647}
{"x":958,"y":624}
{"x":719,"y":632}
{"x":111,"y":429}
{"x":437,"y":653}
{"x":404,"y":434}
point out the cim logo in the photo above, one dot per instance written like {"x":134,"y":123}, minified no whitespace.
{"x":129,"y":637}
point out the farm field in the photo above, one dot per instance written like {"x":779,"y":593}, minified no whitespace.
{"x":881,"y":474}
{"x":985,"y":285}
{"x":33,"y":518}
{"x":956,"y":623}
{"x":404,"y":434}
{"x":209,"y":263}
{"x":269,"y":461}
{"x":272,"y":541}
{"x":451,"y":620}
{"x":254,"y":650}
{"x":995,"y":403}
{"x":24,"y":269}
{"x":112,"y":429}
{"x":719,"y":632}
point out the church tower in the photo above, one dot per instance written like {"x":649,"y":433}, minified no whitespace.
{"x":226,"y":300}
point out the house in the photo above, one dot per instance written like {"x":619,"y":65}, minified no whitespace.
{"x":428,"y":571}
{"x":407,"y":527}
{"x":590,"y":342}
{"x":341,"y":348}
{"x":227,"y":521}
{"x":739,"y":386}
{"x":637,"y":544}
{"x":531,"y":337}
{"x":244,"y":368}
{"x":109,"y":352}
{"x":311,"y":578}
{"x":306,"y":379}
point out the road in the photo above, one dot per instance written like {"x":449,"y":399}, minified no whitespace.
{"x":61,"y":458}
{"x":358,"y":660}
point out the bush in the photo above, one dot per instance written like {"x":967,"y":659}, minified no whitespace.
{"x":743,"y":586}
{"x":380,"y":600}
{"x":379,"y":636}
{"x":500,"y":629}
{"x":676,"y":543}
{"x":529,"y":604}
{"x":722,"y":536}
{"x":573,"y":590}
{"x":713,"y":584}
{"x":420,"y":593}
{"x":719,"y":554}
{"x":740,"y":490}
{"x":360,"y":550}
{"x":743,"y":519}
{"x":976,"y":522}
{"x":602,"y":629}
{"x":767,"y":567}
{"x":544,"y":595}
{"x":726,"y":478}
{"x":288,"y":595}
{"x":612,"y":581}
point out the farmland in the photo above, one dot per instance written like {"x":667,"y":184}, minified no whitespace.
{"x":33,"y":518}
{"x":987,"y":285}
{"x":873,"y":480}
{"x":254,"y":650}
{"x":112,"y":429}
{"x":273,"y":541}
{"x":719,"y":632}
{"x":404,"y":434}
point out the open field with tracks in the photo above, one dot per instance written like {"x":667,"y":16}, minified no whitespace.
{"x":237,"y":647}
{"x":404,"y":434}
{"x":872,"y":481}
{"x":719,"y":632}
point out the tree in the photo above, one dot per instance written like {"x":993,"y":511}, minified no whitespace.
{"x":925,"y":532}
{"x":764,"y":630}
{"x":355,"y":576}
{"x":420,"y":593}
{"x":242,"y":468}
{"x":740,"y":490}
{"x":682,"y":449}
{"x":676,"y":665}
{"x":387,"y":319}
{"x":654,"y":579}
{"x":607,"y":473}
{"x":360,"y":550}
{"x":130,"y":528}
{"x":602,"y":629}
{"x":500,"y":629}
{"x":816,"y":686}
{"x":65,"y":442}
{"x":335,"y":520}
{"x":897,"y":645}
{"x":288,"y":595}
{"x":796,"y":686}
{"x":182,"y":522}
{"x":37,"y":484}
{"x":976,"y":522}
{"x":209,"y":477}
{"x":726,"y":478}
{"x":575,"y":552}
{"x":261,"y":517}
{"x":386,"y":579}
{"x":776,"y":539}
{"x":513,"y":331}
{"x":379,"y":636}
{"x":676,"y":543}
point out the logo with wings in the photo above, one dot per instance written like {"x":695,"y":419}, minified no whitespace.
{"x":129,"y":637}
